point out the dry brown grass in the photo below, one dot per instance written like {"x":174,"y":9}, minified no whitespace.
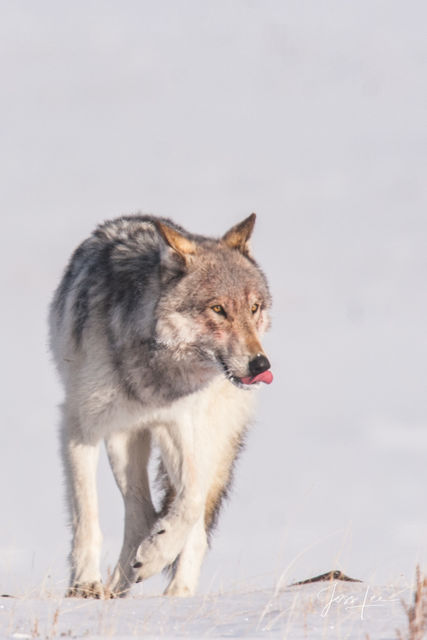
{"x":417,"y":613}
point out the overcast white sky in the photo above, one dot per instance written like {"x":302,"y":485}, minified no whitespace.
{"x":312,"y":114}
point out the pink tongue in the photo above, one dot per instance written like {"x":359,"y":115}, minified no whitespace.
{"x":265,"y":376}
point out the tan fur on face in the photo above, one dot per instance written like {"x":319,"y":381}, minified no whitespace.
{"x":238,"y":333}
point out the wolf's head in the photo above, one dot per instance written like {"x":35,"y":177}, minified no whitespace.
{"x":216,"y":301}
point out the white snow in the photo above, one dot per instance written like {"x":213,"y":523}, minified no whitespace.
{"x":322,"y":610}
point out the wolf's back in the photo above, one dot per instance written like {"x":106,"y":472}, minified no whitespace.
{"x":108,"y":272}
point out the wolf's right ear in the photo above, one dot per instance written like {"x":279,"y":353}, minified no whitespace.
{"x":184,"y":247}
{"x":238,"y":236}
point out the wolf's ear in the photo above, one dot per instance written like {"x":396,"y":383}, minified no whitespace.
{"x":238,"y":236}
{"x":179,"y":243}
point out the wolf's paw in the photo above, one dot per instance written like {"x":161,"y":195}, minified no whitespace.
{"x":119,"y":590}
{"x":178,"y":591}
{"x":153,"y":555}
{"x":87,"y":590}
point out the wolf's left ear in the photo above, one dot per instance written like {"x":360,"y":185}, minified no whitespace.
{"x":238,"y":236}
{"x":184,"y":247}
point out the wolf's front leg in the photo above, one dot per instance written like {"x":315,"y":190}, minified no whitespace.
{"x":187,"y":565}
{"x":169,"y":534}
{"x":80,"y":463}
{"x":129,"y":453}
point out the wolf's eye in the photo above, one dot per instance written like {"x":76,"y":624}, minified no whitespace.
{"x":219,"y":310}
{"x":255,"y":307}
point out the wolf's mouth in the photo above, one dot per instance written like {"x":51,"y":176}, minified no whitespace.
{"x":265,"y":376}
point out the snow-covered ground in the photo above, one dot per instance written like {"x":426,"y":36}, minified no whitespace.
{"x":324,"y":610}
{"x":311,"y":113}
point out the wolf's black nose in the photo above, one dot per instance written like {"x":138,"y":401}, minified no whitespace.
{"x":259,"y":364}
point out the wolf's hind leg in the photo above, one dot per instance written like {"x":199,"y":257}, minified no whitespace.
{"x":129,"y":453}
{"x":80,"y":461}
{"x":187,"y":565}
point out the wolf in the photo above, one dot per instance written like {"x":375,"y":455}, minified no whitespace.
{"x":155,"y":332}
